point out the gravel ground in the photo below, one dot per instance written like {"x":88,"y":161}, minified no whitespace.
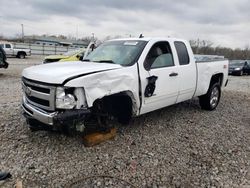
{"x":179,"y":146}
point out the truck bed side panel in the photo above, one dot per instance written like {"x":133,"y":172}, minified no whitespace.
{"x":205,"y":72}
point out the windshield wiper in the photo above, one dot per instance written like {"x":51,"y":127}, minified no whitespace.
{"x":105,"y":61}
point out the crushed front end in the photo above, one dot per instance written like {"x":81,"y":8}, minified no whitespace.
{"x":54,"y":106}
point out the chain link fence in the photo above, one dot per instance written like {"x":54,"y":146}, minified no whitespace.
{"x":42,"y":49}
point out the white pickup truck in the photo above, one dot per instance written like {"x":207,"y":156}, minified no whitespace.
{"x":16,"y":52}
{"x":120,"y":79}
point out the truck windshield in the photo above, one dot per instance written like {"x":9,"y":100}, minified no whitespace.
{"x":122,"y":52}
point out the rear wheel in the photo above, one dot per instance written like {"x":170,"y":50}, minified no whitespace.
{"x":211,"y":99}
{"x":21,"y":55}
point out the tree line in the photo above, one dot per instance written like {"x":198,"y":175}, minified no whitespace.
{"x":206,"y":47}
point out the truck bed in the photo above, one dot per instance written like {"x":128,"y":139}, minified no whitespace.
{"x":205,"y":71}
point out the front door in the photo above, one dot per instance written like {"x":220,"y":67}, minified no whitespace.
{"x":160,"y":83}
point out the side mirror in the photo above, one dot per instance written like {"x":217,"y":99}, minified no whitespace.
{"x":93,"y":47}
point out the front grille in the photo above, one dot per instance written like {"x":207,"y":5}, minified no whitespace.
{"x":40,"y":89}
{"x":38,"y":101}
{"x":39,"y":94}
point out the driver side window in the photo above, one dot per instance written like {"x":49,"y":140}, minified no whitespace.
{"x":159,"y":56}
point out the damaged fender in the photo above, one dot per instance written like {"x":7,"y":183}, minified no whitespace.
{"x":106,"y":83}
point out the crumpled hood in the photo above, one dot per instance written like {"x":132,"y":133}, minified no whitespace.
{"x":57,"y":73}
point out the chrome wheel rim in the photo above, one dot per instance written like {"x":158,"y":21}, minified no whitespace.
{"x":214,"y":97}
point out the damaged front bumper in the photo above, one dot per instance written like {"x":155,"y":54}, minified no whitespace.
{"x":54,"y":118}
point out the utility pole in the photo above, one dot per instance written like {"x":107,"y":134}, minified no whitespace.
{"x":22,"y":32}
{"x":76,"y":32}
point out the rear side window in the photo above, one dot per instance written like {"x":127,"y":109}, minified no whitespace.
{"x":7,"y":46}
{"x":182,"y":53}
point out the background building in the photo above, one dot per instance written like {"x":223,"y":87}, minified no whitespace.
{"x":55,"y":41}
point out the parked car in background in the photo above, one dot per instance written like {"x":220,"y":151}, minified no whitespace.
{"x":239,"y":67}
{"x":3,"y":62}
{"x":10,"y":51}
{"x":73,"y":55}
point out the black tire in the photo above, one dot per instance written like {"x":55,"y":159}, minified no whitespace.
{"x":68,"y":130}
{"x":211,"y":99}
{"x":6,"y":65}
{"x":240,"y":73}
{"x":21,"y":55}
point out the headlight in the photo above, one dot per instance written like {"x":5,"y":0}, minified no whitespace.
{"x":64,"y":100}
{"x":237,"y":68}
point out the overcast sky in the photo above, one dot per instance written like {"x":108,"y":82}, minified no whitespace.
{"x":224,"y":22}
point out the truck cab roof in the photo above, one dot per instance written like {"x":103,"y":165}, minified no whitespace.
{"x":149,"y":39}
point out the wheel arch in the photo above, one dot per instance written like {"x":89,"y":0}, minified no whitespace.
{"x":216,"y":78}
{"x":21,"y":52}
{"x":122,"y":105}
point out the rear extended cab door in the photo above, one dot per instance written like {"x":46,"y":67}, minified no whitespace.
{"x":159,"y":75}
{"x":187,"y":70}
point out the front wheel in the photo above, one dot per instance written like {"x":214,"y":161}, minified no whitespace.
{"x":211,"y":99}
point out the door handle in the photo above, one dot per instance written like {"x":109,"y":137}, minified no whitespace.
{"x":173,"y":74}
